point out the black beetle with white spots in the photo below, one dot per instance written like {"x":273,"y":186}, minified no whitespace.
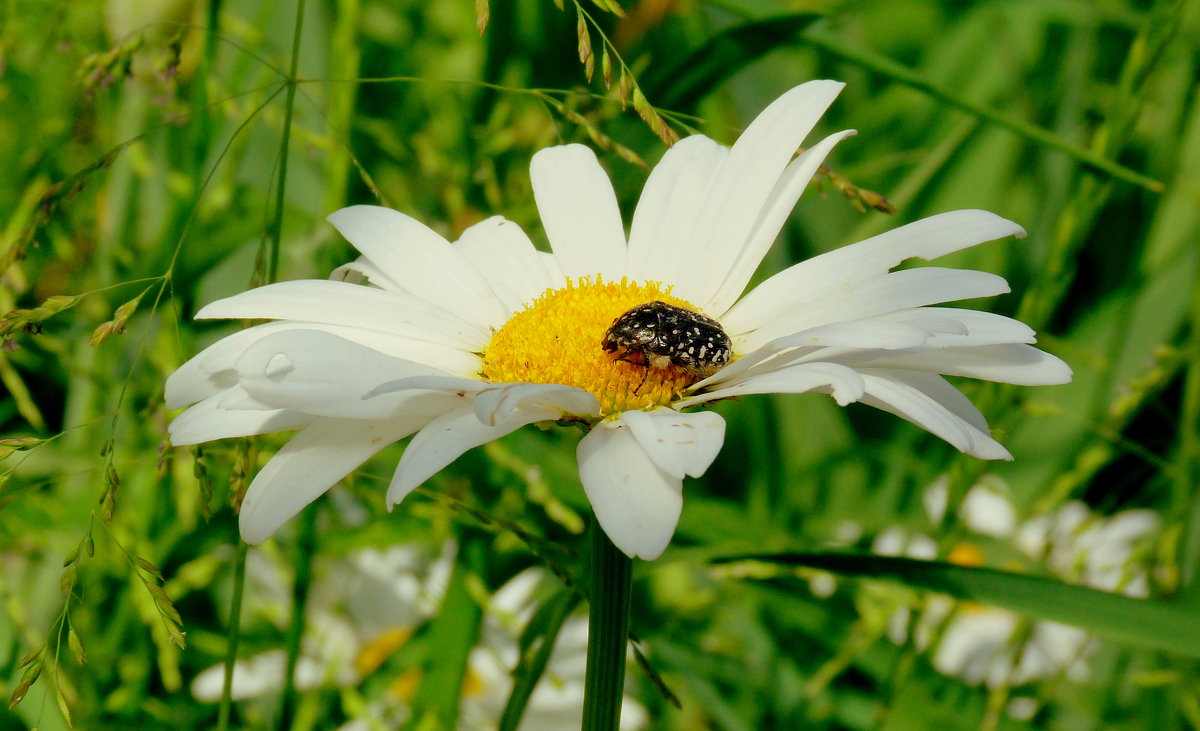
{"x":659,"y":335}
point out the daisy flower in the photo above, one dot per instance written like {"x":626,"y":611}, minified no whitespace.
{"x":997,"y":647}
{"x":461,"y":343}
{"x":367,"y":605}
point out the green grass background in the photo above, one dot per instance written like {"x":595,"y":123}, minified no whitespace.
{"x":142,"y":145}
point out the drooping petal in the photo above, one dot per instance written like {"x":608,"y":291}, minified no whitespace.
{"x":660,"y":237}
{"x":776,"y":209}
{"x":444,"y":440}
{"x":636,"y":503}
{"x":308,"y":465}
{"x":339,"y":303}
{"x":934,"y":405}
{"x":678,"y":444}
{"x":505,"y":256}
{"x":579,"y":211}
{"x":212,"y":369}
{"x":822,"y":275}
{"x":421,"y":261}
{"x":317,"y":373}
{"x":744,"y":183}
{"x":1015,"y":363}
{"x":206,"y":421}
{"x":845,"y":384}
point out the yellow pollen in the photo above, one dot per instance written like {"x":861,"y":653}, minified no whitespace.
{"x":557,"y":339}
{"x":375,"y":652}
{"x":966,"y":554}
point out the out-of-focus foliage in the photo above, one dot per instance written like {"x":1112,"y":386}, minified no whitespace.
{"x":141,"y":144}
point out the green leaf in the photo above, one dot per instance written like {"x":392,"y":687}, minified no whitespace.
{"x":1147,"y":623}
{"x":682,"y":85}
{"x":536,"y":644}
{"x":452,"y":634}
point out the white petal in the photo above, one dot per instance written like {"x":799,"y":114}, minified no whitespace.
{"x":956,"y":327}
{"x":196,"y":381}
{"x":255,"y":676}
{"x":660,"y":238}
{"x":853,"y":341}
{"x":308,"y":465}
{"x":989,"y":511}
{"x":317,"y":373}
{"x":579,"y":211}
{"x":636,"y":503}
{"x":927,"y":239}
{"x":238,"y":399}
{"x":678,"y":444}
{"x":854,"y":300}
{"x":211,"y":370}
{"x":941,"y":391}
{"x":745,"y":181}
{"x":339,"y":303}
{"x":205,"y":422}
{"x":775,"y":211}
{"x":845,"y":384}
{"x":468,"y":387}
{"x":498,"y":404}
{"x":1016,"y":363}
{"x":421,"y":261}
{"x":550,"y":261}
{"x":360,"y":271}
{"x":505,"y":256}
{"x":934,"y":405}
{"x":872,"y":334}
{"x":444,"y":440}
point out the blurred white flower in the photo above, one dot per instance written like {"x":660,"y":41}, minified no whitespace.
{"x":366,"y":605}
{"x":367,"y":597}
{"x":987,"y":508}
{"x":557,"y":701}
{"x":983,"y":644}
{"x":463,"y":343}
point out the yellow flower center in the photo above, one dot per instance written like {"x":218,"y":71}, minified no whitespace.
{"x":557,"y":339}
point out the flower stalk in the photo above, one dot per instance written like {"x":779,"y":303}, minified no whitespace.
{"x":306,"y":551}
{"x":233,"y":635}
{"x":608,"y":632}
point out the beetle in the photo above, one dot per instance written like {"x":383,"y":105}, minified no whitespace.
{"x":659,"y":335}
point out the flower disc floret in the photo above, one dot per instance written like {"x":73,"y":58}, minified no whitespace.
{"x":557,"y":339}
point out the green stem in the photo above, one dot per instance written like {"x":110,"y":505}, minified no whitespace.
{"x":608,"y":633}
{"x":271,"y":266}
{"x":235,"y":625}
{"x":306,"y":550}
{"x":306,"y":539}
{"x":451,"y":636}
{"x":1187,"y":472}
